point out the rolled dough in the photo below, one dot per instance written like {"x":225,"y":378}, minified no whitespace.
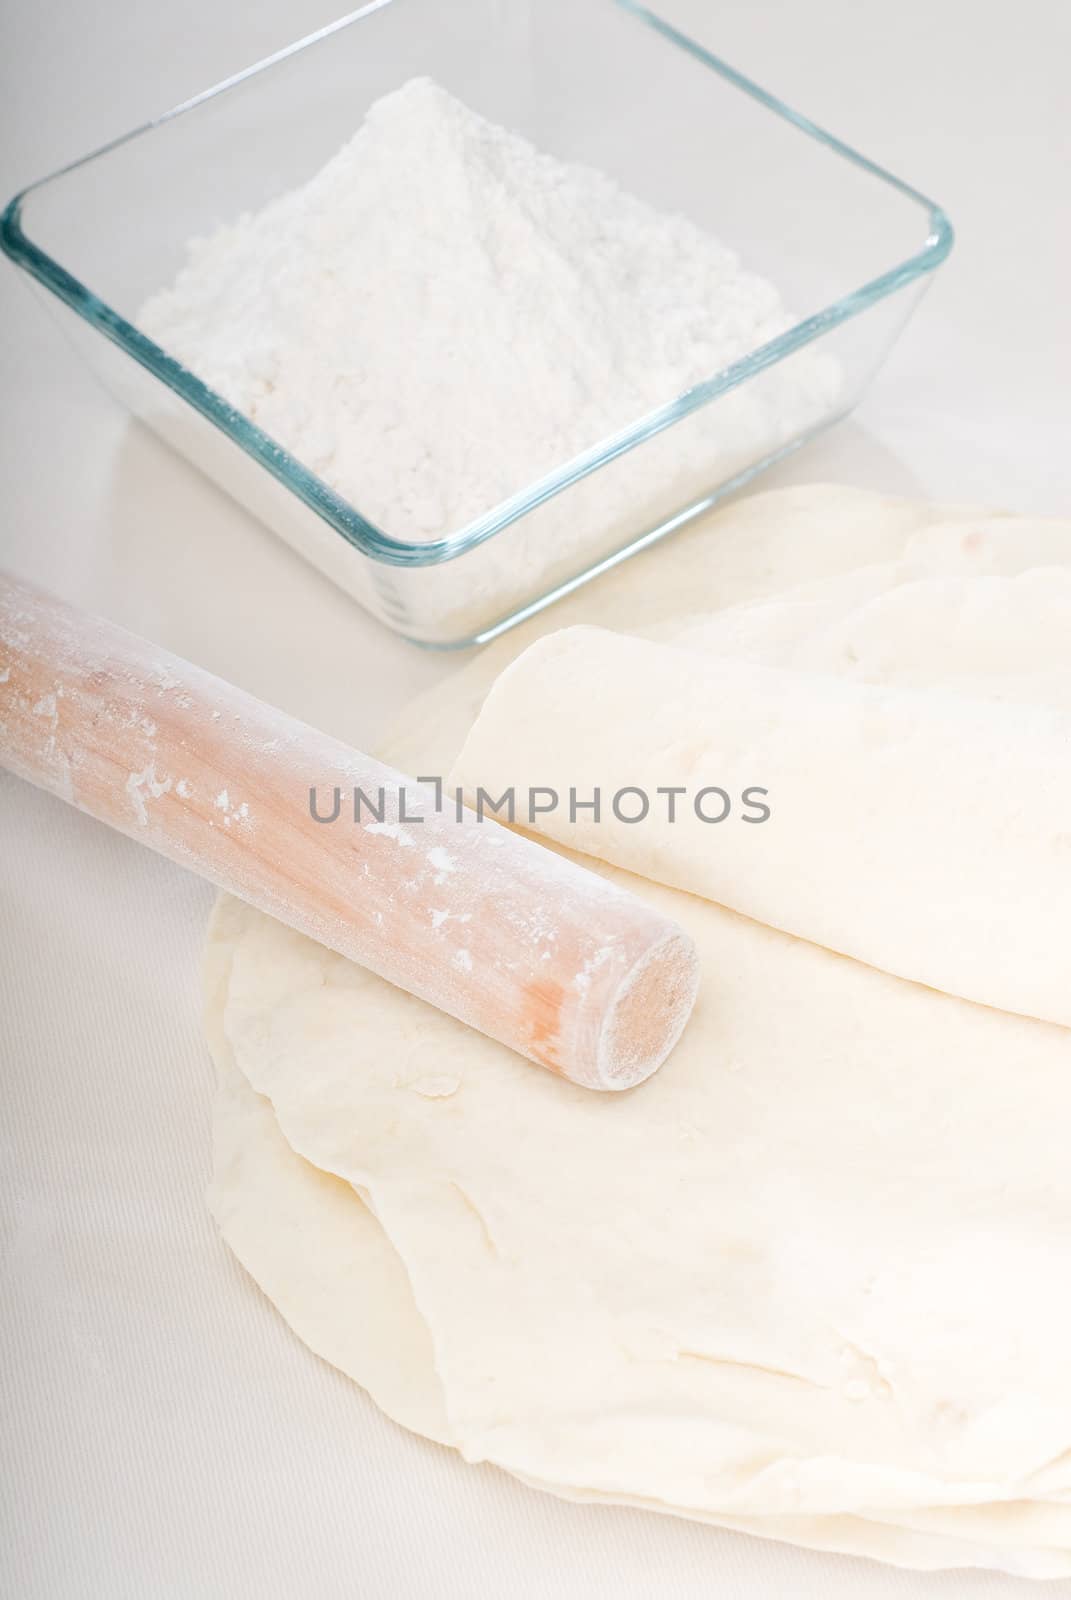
{"x":810,"y":1281}
{"x":926,"y":831}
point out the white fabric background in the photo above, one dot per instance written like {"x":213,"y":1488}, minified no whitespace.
{"x":161,"y":1431}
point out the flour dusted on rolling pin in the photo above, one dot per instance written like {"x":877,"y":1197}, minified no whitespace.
{"x":444,"y":314}
{"x":528,"y":947}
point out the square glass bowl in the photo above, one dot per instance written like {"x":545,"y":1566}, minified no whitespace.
{"x":604,"y":82}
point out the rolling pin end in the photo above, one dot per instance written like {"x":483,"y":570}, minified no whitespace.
{"x":648,"y":1013}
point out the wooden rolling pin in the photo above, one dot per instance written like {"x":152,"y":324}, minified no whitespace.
{"x":572,"y":972}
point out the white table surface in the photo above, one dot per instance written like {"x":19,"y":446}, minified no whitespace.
{"x":161,"y":1433}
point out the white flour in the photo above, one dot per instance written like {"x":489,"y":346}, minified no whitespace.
{"x":444,"y":314}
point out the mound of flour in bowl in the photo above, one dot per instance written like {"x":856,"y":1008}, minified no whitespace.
{"x":444,"y":314}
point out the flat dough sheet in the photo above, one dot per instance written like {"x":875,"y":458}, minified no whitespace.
{"x":750,"y":1291}
{"x":923,"y":830}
